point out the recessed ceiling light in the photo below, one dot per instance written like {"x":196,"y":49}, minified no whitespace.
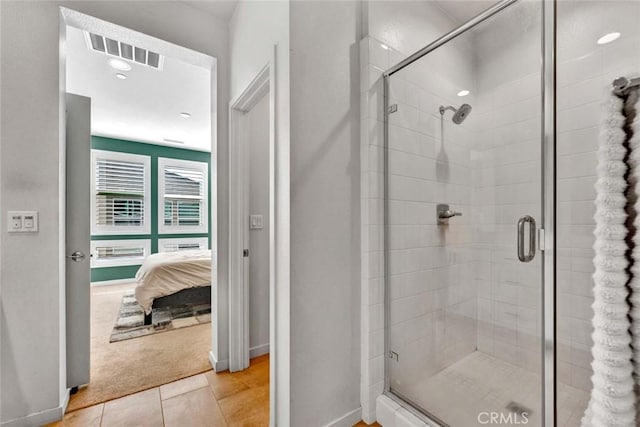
{"x":463,"y":93}
{"x":121,"y":76}
{"x":384,"y":46}
{"x":185,"y":115}
{"x":119,"y":64}
{"x":608,"y":38}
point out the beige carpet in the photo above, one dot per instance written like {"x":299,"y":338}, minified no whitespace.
{"x":125,"y":367}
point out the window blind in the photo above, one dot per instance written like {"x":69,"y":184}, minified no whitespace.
{"x":119,"y":252}
{"x":173,"y":244}
{"x":120,"y":190}
{"x":116,"y":253}
{"x":174,"y":247}
{"x":183,"y":196}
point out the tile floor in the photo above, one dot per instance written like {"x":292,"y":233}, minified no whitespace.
{"x":483,"y":383}
{"x":208,"y":399}
{"x":479,"y":382}
{"x":363,"y":424}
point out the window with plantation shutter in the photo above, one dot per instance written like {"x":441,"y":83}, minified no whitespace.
{"x":183,"y":244}
{"x":183,"y":201}
{"x":117,"y":253}
{"x":120,"y":193}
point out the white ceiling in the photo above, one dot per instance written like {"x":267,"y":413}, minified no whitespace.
{"x":460,"y":11}
{"x":222,"y":9}
{"x":147,"y":105}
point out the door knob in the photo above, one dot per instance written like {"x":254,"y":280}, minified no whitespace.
{"x":77,"y":256}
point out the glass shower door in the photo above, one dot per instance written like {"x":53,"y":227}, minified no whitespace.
{"x":463,"y":184}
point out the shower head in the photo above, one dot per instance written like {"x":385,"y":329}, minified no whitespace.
{"x":459,"y":114}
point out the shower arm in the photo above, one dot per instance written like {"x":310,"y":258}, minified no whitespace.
{"x":443,"y":109}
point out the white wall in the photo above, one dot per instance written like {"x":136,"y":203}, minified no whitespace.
{"x":407,"y":26}
{"x":31,"y":316}
{"x":255,"y":28}
{"x":325,"y":212}
{"x":259,"y":238}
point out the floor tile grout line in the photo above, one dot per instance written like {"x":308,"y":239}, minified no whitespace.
{"x":161,"y":407}
{"x":185,"y":392}
{"x":101,"y":414}
{"x":224,"y":417}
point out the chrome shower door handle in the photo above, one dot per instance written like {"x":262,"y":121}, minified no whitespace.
{"x":532,"y":239}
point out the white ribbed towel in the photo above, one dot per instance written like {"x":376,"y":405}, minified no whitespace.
{"x":612,"y":401}
{"x":634,"y":283}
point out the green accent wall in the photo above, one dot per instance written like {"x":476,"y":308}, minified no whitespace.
{"x":154,"y":152}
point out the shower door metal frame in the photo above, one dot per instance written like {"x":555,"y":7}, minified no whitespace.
{"x":548,"y":220}
{"x":546,"y":240}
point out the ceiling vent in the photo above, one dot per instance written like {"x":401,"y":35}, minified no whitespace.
{"x":125,"y":51}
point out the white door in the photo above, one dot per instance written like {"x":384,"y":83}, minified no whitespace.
{"x":78,"y":236}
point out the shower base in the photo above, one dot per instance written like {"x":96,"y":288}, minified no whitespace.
{"x":481,"y":384}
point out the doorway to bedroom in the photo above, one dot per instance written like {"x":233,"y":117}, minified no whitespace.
{"x":142,"y":316}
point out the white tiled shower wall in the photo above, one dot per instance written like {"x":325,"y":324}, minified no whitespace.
{"x":393,"y":21}
{"x":506,"y":163}
{"x":438,"y":273}
{"x":372,"y":220}
{"x":433,"y":308}
{"x":433,"y":298}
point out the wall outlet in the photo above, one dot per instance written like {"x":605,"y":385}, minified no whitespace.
{"x":22,"y":221}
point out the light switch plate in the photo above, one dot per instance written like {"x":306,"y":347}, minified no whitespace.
{"x":256,"y":222}
{"x":22,"y":221}
{"x":15,"y":222}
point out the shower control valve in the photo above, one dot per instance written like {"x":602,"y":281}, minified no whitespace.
{"x":443,"y":213}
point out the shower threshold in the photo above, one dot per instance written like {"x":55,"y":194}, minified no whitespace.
{"x":475,"y":387}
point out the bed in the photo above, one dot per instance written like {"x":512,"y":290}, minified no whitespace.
{"x":173,"y":278}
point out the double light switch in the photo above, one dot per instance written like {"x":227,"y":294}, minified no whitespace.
{"x":256,"y":222}
{"x":22,"y":221}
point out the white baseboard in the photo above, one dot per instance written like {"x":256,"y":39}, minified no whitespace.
{"x":258,"y":350}
{"x":65,"y":401}
{"x":218,"y":365}
{"x":347,"y":420}
{"x":113,"y":282}
{"x":38,"y":418}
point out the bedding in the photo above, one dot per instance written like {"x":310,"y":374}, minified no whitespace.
{"x":166,"y":273}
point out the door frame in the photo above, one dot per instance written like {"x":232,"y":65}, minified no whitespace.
{"x":238,"y":214}
{"x":72,"y":18}
{"x":262,"y":84}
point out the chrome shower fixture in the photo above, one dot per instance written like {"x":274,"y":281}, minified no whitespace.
{"x":621,"y":85}
{"x":459,"y":114}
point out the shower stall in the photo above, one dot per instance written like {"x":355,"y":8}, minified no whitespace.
{"x":490,"y":134}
